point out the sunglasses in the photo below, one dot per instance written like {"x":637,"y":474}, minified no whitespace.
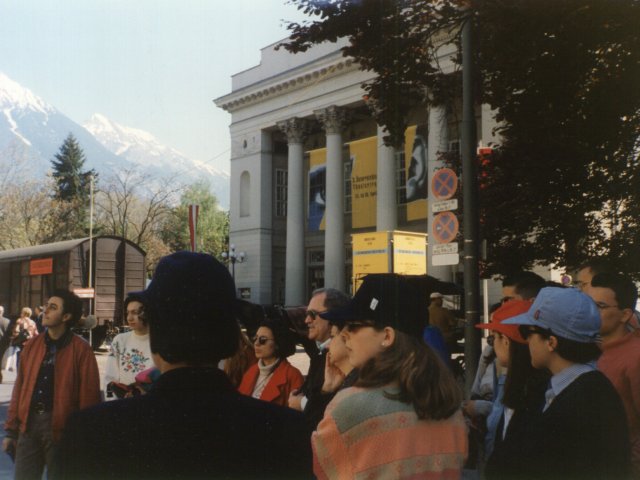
{"x":490,"y":340}
{"x":261,"y":340}
{"x":527,"y":330}
{"x":354,"y":326}
{"x":313,"y":314}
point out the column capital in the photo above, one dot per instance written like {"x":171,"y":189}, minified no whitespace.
{"x":296,"y":129}
{"x":333,"y":118}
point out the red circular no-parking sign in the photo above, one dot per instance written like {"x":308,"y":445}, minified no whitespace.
{"x":444,"y":184}
{"x":445,"y":227}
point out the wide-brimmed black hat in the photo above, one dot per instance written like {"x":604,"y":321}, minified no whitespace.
{"x":192,"y":295}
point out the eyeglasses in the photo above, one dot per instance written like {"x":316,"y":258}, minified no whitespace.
{"x":527,"y":330}
{"x":261,"y":340}
{"x":604,"y":306}
{"x":313,"y":314}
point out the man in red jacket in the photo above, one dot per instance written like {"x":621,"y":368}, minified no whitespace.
{"x":58,"y":374}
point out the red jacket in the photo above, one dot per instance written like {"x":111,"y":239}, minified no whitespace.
{"x":76,"y":383}
{"x":285,"y":379}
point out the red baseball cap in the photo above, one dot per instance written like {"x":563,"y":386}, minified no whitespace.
{"x":506,"y":311}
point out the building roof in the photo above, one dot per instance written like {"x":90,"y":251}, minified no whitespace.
{"x":39,"y":250}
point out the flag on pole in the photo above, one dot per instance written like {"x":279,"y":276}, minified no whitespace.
{"x":193,"y":224}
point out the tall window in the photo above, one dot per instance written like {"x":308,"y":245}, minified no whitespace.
{"x":348,"y":168}
{"x":281,"y":192}
{"x":245,"y":194}
{"x":401,"y":179}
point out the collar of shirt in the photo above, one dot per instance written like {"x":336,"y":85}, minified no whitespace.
{"x":563,"y":379}
{"x":322,"y":346}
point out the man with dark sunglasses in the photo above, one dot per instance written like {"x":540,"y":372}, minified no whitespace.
{"x":581,"y":431}
{"x":319,"y":331}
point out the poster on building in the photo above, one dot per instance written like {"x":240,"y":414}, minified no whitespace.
{"x":363,"y":154}
{"x":409,"y":253}
{"x":317,"y":189}
{"x":371,"y":254}
{"x":416,"y":173}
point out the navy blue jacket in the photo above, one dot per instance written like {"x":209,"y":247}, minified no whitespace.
{"x":192,"y":424}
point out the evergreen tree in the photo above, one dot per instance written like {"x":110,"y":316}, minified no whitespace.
{"x":72,"y":188}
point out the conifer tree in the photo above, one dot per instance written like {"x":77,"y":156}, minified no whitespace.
{"x":72,"y":188}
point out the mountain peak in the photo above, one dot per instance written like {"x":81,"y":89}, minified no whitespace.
{"x":13,"y":95}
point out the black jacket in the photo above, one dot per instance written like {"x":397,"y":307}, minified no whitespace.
{"x":582,"y":435}
{"x":192,"y":424}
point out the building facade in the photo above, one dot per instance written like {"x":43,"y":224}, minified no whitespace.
{"x":309,"y":169}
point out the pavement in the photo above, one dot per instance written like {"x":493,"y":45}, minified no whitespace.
{"x":300,"y":360}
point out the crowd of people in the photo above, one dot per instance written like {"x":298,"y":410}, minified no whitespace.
{"x":557,"y":394}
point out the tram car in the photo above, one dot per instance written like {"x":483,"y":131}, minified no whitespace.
{"x":29,"y":275}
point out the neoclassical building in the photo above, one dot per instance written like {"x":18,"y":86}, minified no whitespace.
{"x":309,"y":169}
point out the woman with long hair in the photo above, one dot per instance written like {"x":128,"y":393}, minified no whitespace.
{"x":273,"y":378}
{"x":523,"y":395}
{"x":402,"y":418}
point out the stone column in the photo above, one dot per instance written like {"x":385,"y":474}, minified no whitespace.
{"x":295,"y":129}
{"x":333,"y":120}
{"x":438,"y":142}
{"x":386,"y":198}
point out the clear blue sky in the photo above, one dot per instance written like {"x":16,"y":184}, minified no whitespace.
{"x":149,"y":64}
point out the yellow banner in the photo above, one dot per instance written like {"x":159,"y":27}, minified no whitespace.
{"x":371,"y":253}
{"x":409,"y":253}
{"x":363,"y":154}
{"x":416,"y":173}
{"x":317,"y":189}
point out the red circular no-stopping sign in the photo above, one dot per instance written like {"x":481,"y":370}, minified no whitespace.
{"x":444,"y":184}
{"x":445,"y":227}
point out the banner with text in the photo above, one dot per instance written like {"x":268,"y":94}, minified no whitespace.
{"x":363,"y":154}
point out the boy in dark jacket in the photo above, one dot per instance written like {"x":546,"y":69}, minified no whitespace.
{"x":581,"y":432}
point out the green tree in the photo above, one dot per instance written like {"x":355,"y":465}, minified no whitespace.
{"x":213,"y":222}
{"x":562,"y":76}
{"x":72,"y":188}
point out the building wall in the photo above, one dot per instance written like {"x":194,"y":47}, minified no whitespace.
{"x":281,"y":87}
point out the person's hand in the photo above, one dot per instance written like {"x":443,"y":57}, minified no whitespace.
{"x":9,"y":446}
{"x":295,"y":400}
{"x":469,"y":408}
{"x":333,"y":376}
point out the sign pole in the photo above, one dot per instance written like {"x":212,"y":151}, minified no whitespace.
{"x":470,"y":205}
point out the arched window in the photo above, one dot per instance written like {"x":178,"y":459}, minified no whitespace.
{"x":245,"y":194}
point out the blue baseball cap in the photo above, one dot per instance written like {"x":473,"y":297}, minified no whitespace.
{"x":567,"y":312}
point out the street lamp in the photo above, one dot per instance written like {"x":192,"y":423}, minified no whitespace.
{"x":232,"y":257}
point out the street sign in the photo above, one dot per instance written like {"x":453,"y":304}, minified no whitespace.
{"x":85,"y":292}
{"x":444,"y":248}
{"x":444,"y":205}
{"x":448,"y":259}
{"x":444,"y":184}
{"x":445,"y":227}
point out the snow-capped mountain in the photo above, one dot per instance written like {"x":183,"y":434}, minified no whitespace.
{"x":143,"y":149}
{"x":33,"y":130}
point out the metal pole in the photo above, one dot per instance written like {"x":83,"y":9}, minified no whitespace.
{"x":470,"y":206}
{"x":90,"y":240}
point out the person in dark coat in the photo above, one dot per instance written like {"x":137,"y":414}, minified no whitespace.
{"x":193,"y":423}
{"x":581,"y":431}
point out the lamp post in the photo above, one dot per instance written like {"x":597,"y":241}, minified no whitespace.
{"x":232,"y":257}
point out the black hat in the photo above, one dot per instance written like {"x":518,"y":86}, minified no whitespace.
{"x":192,"y":294}
{"x":388,"y":300}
